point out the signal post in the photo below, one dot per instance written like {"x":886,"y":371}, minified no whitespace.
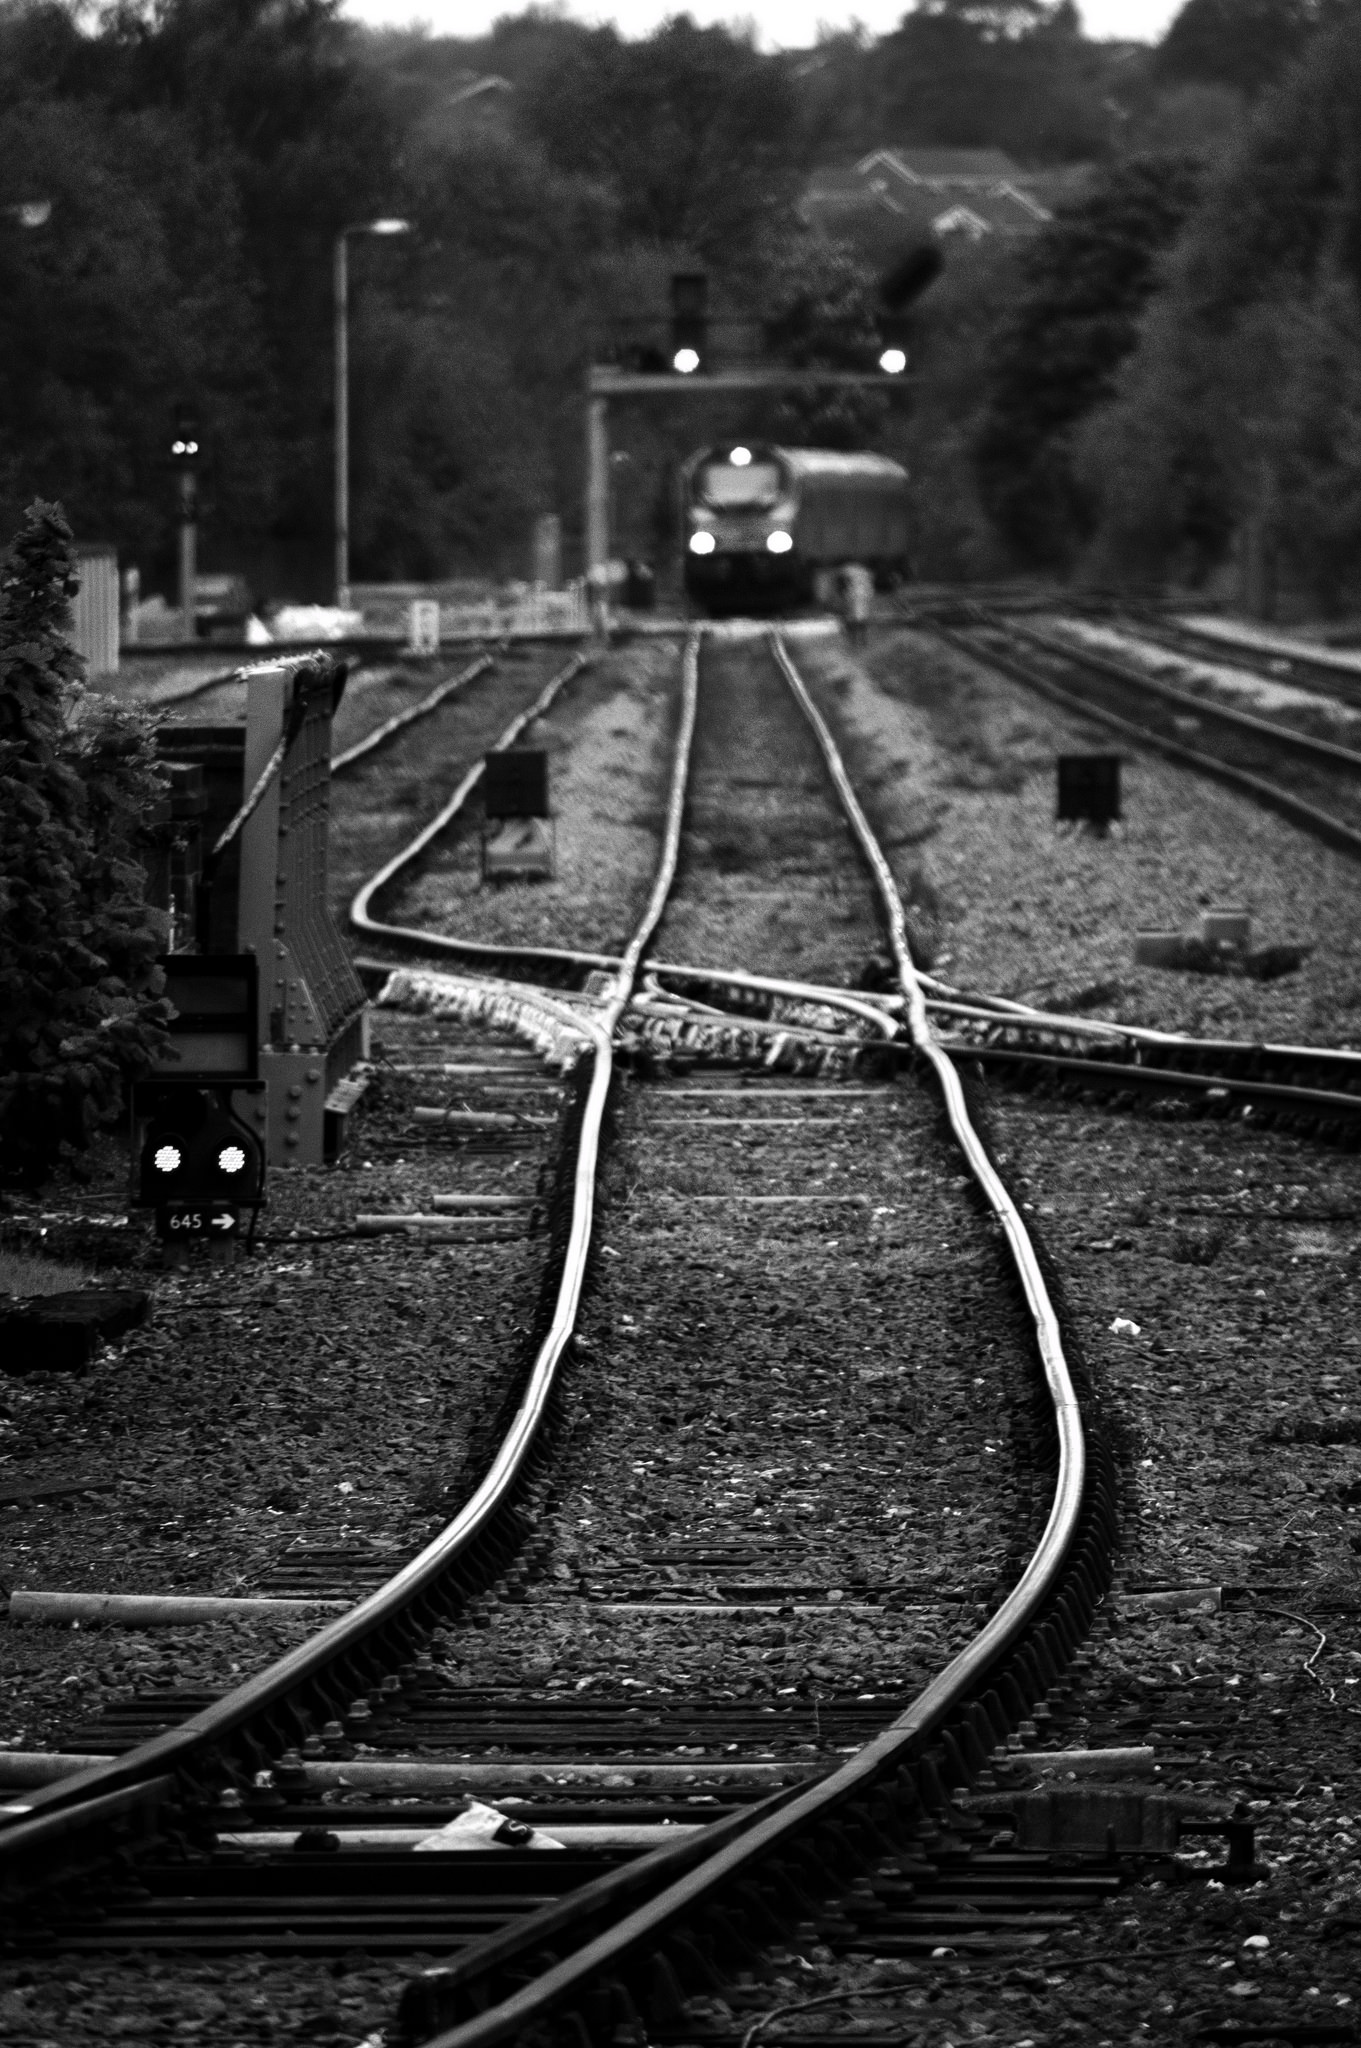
{"x":688,"y":374}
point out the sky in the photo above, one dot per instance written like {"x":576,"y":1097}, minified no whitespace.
{"x":779,"y":23}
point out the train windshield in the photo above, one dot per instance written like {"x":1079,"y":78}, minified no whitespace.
{"x":720,"y":483}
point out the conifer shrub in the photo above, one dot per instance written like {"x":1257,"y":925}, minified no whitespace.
{"x":81,"y":1011}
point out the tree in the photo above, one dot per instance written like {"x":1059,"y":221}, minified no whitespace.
{"x":1014,"y":74}
{"x":78,"y":943}
{"x":1083,"y":285}
{"x":689,"y":129}
{"x":1245,"y":44}
{"x":1238,"y":396}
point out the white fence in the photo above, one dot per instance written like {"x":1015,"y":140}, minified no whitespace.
{"x":521,"y":609}
{"x":95,"y":630}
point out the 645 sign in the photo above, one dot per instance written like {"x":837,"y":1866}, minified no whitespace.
{"x":215,"y":1222}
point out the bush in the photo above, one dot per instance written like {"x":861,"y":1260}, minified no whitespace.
{"x":80,"y":1010}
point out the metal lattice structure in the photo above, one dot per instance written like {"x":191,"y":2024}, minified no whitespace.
{"x":313,"y":1020}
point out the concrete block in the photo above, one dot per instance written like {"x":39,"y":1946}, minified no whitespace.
{"x":1222,"y":926}
{"x":62,"y":1332}
{"x":1159,"y":949}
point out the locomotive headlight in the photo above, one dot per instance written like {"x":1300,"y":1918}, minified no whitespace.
{"x":168,"y":1159}
{"x":893,"y":362}
{"x":686,"y":360}
{"x":740,"y":458}
{"x":779,"y":542}
{"x":701,"y":543}
{"x":231,"y":1159}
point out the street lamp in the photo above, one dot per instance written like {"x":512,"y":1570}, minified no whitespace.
{"x":342,"y":293}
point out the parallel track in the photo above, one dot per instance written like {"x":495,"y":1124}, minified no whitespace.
{"x":1317,"y":790}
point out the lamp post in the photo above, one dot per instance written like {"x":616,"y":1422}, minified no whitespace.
{"x":342,"y":294}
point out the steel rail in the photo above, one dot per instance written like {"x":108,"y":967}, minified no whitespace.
{"x":1185,"y":700}
{"x":1333,"y":831}
{"x":1116,"y":1074}
{"x":1329,"y":666}
{"x":399,"y":721}
{"x":360,"y":915}
{"x":1047,"y":1560}
{"x":41,"y":1824}
{"x":690,"y":1876}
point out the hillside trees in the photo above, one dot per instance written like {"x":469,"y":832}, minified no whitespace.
{"x":1081,"y":288}
{"x":690,"y":130}
{"x":1240,"y":402}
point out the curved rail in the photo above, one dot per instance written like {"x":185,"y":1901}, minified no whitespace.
{"x":1048,"y":1557}
{"x":42,"y":1825}
{"x":1064,"y":1577}
{"x":361,"y":912}
{"x":399,"y":720}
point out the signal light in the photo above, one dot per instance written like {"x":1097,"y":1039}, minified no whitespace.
{"x":195,"y":1148}
{"x":701,"y":543}
{"x":779,"y":542}
{"x":185,"y":445}
{"x":689,"y":321}
{"x":893,"y":361}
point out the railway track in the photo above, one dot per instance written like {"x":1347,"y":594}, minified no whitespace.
{"x":284,"y":1814}
{"x":1315,"y":783}
{"x":1334,"y":673}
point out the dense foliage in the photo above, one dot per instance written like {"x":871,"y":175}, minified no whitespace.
{"x":185,"y":166}
{"x":79,"y":1009}
{"x":1241,"y":407}
{"x":1072,"y":322}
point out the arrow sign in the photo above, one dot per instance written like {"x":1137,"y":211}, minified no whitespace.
{"x":177,"y":1221}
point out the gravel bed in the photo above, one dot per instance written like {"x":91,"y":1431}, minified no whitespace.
{"x":316,"y":1392}
{"x":609,"y":741}
{"x":770,"y":878}
{"x":957,"y":768}
{"x":1238,"y":1257}
{"x":839,"y":1379}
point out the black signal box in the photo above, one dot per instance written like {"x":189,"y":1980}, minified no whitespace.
{"x":216,"y":1034}
{"x":1089,"y":788}
{"x":515,"y":784}
{"x":194,"y":1149}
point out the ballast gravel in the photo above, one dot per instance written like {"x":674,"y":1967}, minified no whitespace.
{"x":958,"y":769}
{"x":1234,"y":1253}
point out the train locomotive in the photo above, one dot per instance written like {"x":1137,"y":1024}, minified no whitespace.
{"x":761,"y":524}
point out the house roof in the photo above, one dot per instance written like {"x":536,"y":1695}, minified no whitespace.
{"x":928,"y":166}
{"x":887,"y":202}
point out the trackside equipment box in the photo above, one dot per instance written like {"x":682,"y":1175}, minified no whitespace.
{"x":199,"y":1155}
{"x":517,"y":833}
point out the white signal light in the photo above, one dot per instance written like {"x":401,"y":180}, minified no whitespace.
{"x":893,"y":362}
{"x":701,"y":543}
{"x":167,"y":1159}
{"x":686,"y":360}
{"x":779,"y":542}
{"x":231,"y":1159}
{"x":740,"y":457}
